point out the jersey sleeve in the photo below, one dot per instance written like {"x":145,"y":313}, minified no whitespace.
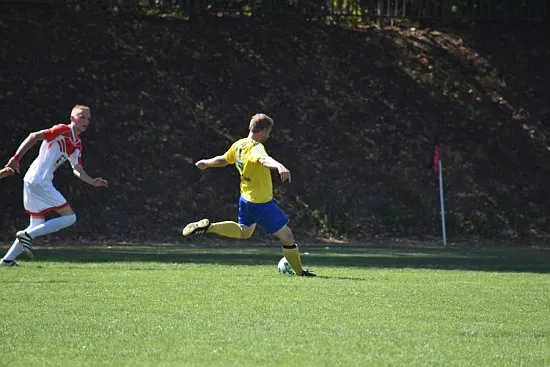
{"x":55,"y":131}
{"x":257,"y":152}
{"x":230,"y":154}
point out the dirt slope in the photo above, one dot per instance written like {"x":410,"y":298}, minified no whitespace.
{"x":355,"y":111}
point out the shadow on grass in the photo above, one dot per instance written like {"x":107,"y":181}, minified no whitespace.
{"x":493,"y":259}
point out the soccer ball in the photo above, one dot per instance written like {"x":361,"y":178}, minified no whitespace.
{"x":284,"y":267}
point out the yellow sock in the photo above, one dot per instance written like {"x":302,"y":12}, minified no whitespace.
{"x":226,"y":229}
{"x":292,"y":255}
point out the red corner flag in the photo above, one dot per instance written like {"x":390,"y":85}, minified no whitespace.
{"x":437,"y":156}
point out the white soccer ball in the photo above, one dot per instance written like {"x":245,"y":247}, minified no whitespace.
{"x":284,"y":267}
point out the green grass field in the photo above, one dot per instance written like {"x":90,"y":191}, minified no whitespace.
{"x":227,"y":306}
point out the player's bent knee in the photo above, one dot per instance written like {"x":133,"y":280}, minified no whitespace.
{"x":70,"y":219}
{"x":246,"y":234}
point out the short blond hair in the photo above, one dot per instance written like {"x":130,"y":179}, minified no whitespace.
{"x":79,"y":107}
{"x":259,"y":122}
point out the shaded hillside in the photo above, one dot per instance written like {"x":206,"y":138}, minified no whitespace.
{"x":355,"y":112}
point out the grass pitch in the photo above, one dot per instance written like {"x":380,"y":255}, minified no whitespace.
{"x":227,"y":306}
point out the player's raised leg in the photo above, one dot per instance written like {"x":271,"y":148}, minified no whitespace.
{"x":66,"y":219}
{"x":39,"y":200}
{"x":226,"y":229}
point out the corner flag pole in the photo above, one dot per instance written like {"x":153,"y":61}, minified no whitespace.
{"x":442,"y":204}
{"x":438,"y":167}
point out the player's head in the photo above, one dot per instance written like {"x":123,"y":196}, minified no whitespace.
{"x":260,"y":126}
{"x":80,"y":117}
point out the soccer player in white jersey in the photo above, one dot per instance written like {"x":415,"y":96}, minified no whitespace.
{"x":60,"y":143}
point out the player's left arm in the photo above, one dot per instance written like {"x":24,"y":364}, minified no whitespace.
{"x":79,"y":172}
{"x":271,"y":162}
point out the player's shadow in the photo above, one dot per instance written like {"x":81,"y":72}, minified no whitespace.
{"x":355,"y":279}
{"x":492,"y":259}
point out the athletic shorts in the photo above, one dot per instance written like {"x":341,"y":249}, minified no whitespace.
{"x":40,"y":199}
{"x":268,"y":215}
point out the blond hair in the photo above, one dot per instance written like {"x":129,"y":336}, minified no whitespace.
{"x":79,"y":107}
{"x":259,"y":122}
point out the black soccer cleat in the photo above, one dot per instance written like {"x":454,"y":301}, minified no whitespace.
{"x":307,"y":273}
{"x":199,"y":227}
{"x":26,"y":241}
{"x":8,"y":263}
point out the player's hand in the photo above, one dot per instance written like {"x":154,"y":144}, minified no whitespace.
{"x":14,"y":165}
{"x":201,"y":164}
{"x":99,"y":182}
{"x":6,"y":171}
{"x":284,"y":173}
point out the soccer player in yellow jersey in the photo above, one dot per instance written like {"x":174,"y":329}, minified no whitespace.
{"x":256,"y":205}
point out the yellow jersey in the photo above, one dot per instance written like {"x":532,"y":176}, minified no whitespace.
{"x":256,"y":185}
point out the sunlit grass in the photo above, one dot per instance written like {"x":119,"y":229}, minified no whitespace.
{"x":229,"y":306}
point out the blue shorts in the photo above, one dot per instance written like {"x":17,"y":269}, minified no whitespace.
{"x":268,"y":215}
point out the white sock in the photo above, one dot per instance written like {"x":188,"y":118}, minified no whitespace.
{"x":52,"y":225}
{"x":16,"y":248}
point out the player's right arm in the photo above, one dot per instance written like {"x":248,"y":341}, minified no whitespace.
{"x":218,"y":161}
{"x":6,"y":171}
{"x":32,"y":139}
{"x":27,"y":144}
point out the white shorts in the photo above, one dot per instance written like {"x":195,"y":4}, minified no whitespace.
{"x":40,"y":199}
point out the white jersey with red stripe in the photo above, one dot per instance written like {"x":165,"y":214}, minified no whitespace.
{"x":59,"y":145}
